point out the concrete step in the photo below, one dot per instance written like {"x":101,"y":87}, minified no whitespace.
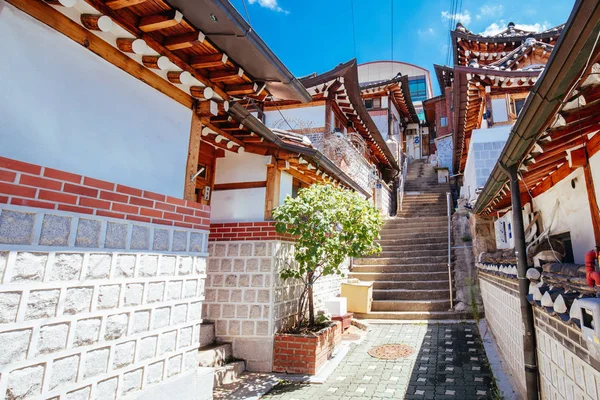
{"x":411,"y":294}
{"x":215,"y":355}
{"x":207,"y":333}
{"x":414,"y":315}
{"x":398,"y":276}
{"x":423,"y":260}
{"x":402,"y":240}
{"x":412,"y":229}
{"x":411,"y":305}
{"x":423,"y":268}
{"x":228,"y":373}
{"x":411,"y":224}
{"x":398,"y":220}
{"x":416,"y":285}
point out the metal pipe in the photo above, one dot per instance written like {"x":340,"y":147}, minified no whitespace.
{"x":529,"y":345}
{"x":449,"y":201}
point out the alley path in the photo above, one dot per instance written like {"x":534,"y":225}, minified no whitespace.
{"x":449,"y":362}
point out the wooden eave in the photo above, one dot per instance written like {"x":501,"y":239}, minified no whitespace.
{"x":470,"y":100}
{"x":182,"y":62}
{"x":398,"y":90}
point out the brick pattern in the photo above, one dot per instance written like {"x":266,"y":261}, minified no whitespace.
{"x":305,"y":354}
{"x":503,"y":315}
{"x":233,"y":231}
{"x":32,"y":185}
{"x":96,"y":324}
{"x":564,"y":373}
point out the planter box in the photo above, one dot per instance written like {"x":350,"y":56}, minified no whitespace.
{"x":305,"y":354}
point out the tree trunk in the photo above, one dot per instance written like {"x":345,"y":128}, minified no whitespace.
{"x":311,"y":305}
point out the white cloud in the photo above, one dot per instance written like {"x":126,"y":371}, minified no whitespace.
{"x":464,"y":17}
{"x":491,"y":11}
{"x":497,"y":27}
{"x":270,"y":4}
{"x":426,"y":32}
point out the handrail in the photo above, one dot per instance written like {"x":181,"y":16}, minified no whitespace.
{"x":402,"y":182}
{"x":449,"y":201}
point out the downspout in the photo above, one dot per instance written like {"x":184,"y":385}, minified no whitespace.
{"x":529,"y":340}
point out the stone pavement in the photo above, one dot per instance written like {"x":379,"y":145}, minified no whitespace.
{"x":449,"y":362}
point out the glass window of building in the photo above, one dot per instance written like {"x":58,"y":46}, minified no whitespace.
{"x":418,"y":87}
{"x":443,"y":122}
{"x":368,"y":104}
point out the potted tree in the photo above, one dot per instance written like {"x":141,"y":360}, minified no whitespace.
{"x":329,"y":225}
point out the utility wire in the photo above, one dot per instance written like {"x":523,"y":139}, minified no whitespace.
{"x":392,"y":31}
{"x":353,"y":28}
{"x":247,"y":14}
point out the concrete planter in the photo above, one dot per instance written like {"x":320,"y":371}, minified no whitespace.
{"x":305,"y":354}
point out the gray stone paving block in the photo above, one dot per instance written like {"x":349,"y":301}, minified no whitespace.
{"x":55,"y":230}
{"x":140,"y":238}
{"x":88,"y":233}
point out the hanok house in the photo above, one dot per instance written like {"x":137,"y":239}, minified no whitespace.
{"x":439,"y":117}
{"x":337,"y":123}
{"x":108,"y":188}
{"x":391,"y":108}
{"x":492,"y":78}
{"x":542,"y":199}
{"x":415,"y":139}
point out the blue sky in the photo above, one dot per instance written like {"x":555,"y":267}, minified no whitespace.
{"x":316,"y":35}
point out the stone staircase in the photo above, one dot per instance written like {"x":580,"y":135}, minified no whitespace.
{"x":410,"y":275}
{"x":218,"y":356}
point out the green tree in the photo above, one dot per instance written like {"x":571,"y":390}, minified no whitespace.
{"x":329,"y":224}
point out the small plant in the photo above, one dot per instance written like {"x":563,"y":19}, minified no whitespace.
{"x":474,"y":306}
{"x":330,"y":224}
{"x":466,"y":238}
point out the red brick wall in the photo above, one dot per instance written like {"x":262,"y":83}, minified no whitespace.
{"x":245,"y":231}
{"x":305,"y":354}
{"x":32,"y":185}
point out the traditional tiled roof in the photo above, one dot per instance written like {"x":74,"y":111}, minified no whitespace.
{"x":398,"y":87}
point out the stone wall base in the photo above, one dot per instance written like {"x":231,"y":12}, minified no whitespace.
{"x":192,"y":385}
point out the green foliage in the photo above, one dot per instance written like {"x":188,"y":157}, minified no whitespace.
{"x":329,"y":224}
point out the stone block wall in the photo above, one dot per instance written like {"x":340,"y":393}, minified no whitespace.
{"x":383,"y":198}
{"x":94,"y":306}
{"x":503,"y":315}
{"x":486,"y":155}
{"x":445,"y":149}
{"x":247,"y":299}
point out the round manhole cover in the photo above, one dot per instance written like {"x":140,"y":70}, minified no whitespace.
{"x":391,"y":351}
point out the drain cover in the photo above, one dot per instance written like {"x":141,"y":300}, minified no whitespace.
{"x":391,"y":351}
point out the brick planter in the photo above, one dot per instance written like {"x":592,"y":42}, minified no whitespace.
{"x":305,"y":354}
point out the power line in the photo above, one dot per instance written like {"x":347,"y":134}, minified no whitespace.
{"x":392,"y":31}
{"x":353,"y":28}
{"x":247,"y":14}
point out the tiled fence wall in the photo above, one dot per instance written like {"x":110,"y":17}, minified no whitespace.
{"x":383,"y":199}
{"x":248,"y":300}
{"x":569,"y":367}
{"x":94,"y":305}
{"x":503,"y":315}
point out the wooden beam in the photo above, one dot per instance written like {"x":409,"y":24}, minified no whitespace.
{"x":593,"y":202}
{"x":240,"y":185}
{"x":160,"y":21}
{"x":236,"y":90}
{"x":118,"y":4}
{"x":273,"y":189}
{"x":59,"y":22}
{"x":93,"y":22}
{"x":224,"y":145}
{"x":184,"y":40}
{"x":192,"y":158}
{"x":128,"y":45}
{"x":209,"y":61}
{"x":221,"y":76}
{"x":221,"y":132}
{"x":204,"y":93}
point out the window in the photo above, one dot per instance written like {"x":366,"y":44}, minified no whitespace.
{"x":368,"y":104}
{"x":375,"y":102}
{"x":499,"y":110}
{"x":443,"y":122}
{"x":519,"y":103}
{"x":418,"y":87}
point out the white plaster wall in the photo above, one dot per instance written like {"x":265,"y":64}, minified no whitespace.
{"x":285,"y":186}
{"x":381,"y":121}
{"x":595,"y":167}
{"x":381,"y":70}
{"x":302,"y":117}
{"x":498,"y":133}
{"x":64,"y":107}
{"x":573,"y":214}
{"x":246,"y":205}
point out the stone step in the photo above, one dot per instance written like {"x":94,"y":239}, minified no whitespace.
{"x":424,"y":268}
{"x":417,"y":285}
{"x":411,"y":294}
{"x":422,"y":246}
{"x":207,"y":333}
{"x":415,"y":224}
{"x":398,"y":276}
{"x":414,"y":315}
{"x":411,"y":305}
{"x":417,"y":251}
{"x":412,"y":229}
{"x":228,"y":373}
{"x":215,"y":355}
{"x":413,"y":239}
{"x":426,"y":260}
{"x":398,"y":220}
{"x":419,"y":213}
